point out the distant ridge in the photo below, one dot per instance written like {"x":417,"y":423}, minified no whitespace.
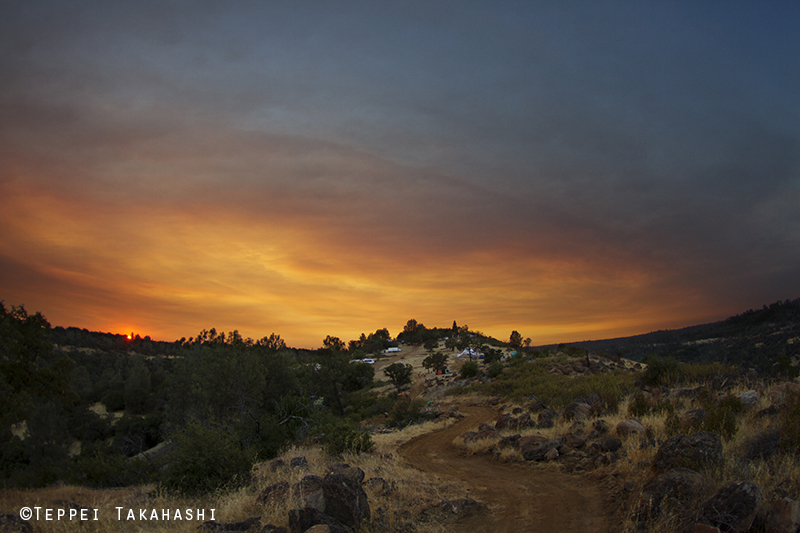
{"x":763,"y":339}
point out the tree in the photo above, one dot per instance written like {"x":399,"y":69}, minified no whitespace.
{"x":399,"y":373}
{"x":515,"y":340}
{"x":334,"y":343}
{"x":436,"y":362}
{"x":431,"y":344}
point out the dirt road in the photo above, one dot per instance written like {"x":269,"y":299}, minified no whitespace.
{"x":521,"y":496}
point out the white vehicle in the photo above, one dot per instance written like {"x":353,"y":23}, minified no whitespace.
{"x":368,"y":361}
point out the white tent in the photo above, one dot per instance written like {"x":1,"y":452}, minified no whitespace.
{"x":468,"y":352}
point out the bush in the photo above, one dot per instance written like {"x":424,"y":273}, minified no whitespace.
{"x":495,"y":369}
{"x":790,"y":421}
{"x":206,"y":459}
{"x":723,"y":415}
{"x":661,"y":371}
{"x":469,"y":369}
{"x":343,"y":437}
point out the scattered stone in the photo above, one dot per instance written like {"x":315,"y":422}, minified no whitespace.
{"x":575,"y":441}
{"x":689,"y":451}
{"x":611,"y":444}
{"x":301,"y":520}
{"x":732,"y":508}
{"x":299,"y":461}
{"x":13,"y":523}
{"x":749,"y":397}
{"x":274,"y":493}
{"x":231,"y":527}
{"x":464,"y":507}
{"x":319,"y":528}
{"x":784,"y":517}
{"x":693,"y":419}
{"x":763,"y":446}
{"x":629,"y":427}
{"x":679,"y":483}
{"x":704,"y":528}
{"x":577,"y":411}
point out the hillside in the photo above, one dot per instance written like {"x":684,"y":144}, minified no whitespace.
{"x":766,"y":339}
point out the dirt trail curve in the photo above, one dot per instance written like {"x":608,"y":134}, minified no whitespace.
{"x":521,"y":496}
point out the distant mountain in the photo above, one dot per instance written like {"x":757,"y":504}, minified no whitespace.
{"x":767,"y":339}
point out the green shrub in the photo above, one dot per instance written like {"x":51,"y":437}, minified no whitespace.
{"x":407,"y":411}
{"x":661,"y":371}
{"x":206,"y":459}
{"x":722,"y":416}
{"x":469,"y":369}
{"x":790,"y":422}
{"x":495,"y":369}
{"x":343,"y":437}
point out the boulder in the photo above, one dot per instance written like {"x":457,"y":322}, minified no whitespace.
{"x":749,"y":397}
{"x":345,"y":500}
{"x":680,"y":483}
{"x":301,"y":520}
{"x":503,"y":422}
{"x":693,"y":419}
{"x":611,"y":444}
{"x":274,"y":493}
{"x":299,"y":461}
{"x":732,"y":508}
{"x":577,"y":411}
{"x":629,"y":427}
{"x":545,"y":419}
{"x":689,"y":451}
{"x":353,"y":473}
{"x":319,"y":528}
{"x":231,"y":527}
{"x":575,"y":441}
{"x":784,"y":516}
{"x":12,"y":522}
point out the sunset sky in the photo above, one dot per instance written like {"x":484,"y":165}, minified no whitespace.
{"x":570,"y":170}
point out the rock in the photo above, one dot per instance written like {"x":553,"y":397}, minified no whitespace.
{"x":319,"y":528}
{"x":231,"y":527}
{"x":345,"y":500}
{"x":577,"y":411}
{"x":381,"y":485}
{"x":629,"y":427}
{"x":680,"y":483}
{"x":784,"y":516}
{"x":703,"y":528}
{"x":269,"y":528}
{"x":551,"y":454}
{"x":777,"y":394}
{"x":464,"y":507}
{"x":524,"y":421}
{"x":276,"y":464}
{"x":301,"y":520}
{"x":310,"y":491}
{"x":689,"y":451}
{"x":763,"y":446}
{"x":545,"y":419}
{"x":601,"y":426}
{"x":511,"y":440}
{"x":503,"y":422}
{"x":732,"y":508}
{"x":749,"y":397}
{"x":611,"y":444}
{"x":299,"y":461}
{"x":575,"y":441}
{"x":693,"y":419}
{"x":274,"y":493}
{"x":12,"y":522}
{"x":353,"y":473}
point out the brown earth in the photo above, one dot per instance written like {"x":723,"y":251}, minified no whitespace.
{"x":520,"y":496}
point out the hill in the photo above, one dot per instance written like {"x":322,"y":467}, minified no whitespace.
{"x":766,"y":339}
